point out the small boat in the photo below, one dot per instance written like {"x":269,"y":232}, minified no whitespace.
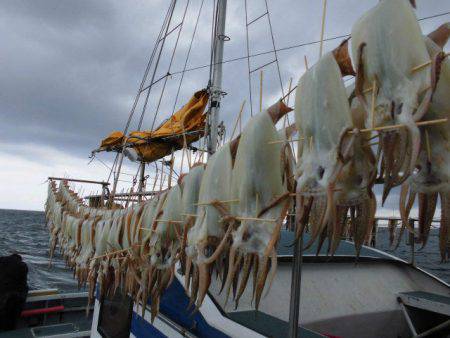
{"x":48,"y":313}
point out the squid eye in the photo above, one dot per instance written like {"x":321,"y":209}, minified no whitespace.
{"x":158,"y":255}
{"x":358,"y":179}
{"x":320,"y":172}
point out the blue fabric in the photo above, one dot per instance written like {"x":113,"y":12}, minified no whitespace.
{"x":174,"y":305}
{"x":143,"y":329}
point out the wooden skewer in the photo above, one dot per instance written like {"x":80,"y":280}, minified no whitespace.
{"x":322,"y":32}
{"x":371,"y":144}
{"x":421,"y":123}
{"x":423,"y":65}
{"x":238,"y":119}
{"x":310,"y":144}
{"x":116,"y":252}
{"x":226,"y":201}
{"x":286,"y":117}
{"x":306,"y":62}
{"x":282,"y":141}
{"x":147,"y":229}
{"x":168,"y":221}
{"x":189,"y":215}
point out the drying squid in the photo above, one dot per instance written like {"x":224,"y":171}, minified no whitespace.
{"x":262,"y":203}
{"x":431,"y":179}
{"x":208,"y":237}
{"x":191,"y":190}
{"x":387,"y":44}
{"x":336,"y":168}
{"x":164,"y":246}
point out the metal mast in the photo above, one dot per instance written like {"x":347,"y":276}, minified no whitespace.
{"x":216,"y":84}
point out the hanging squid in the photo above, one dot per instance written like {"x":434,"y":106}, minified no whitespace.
{"x":262,"y":203}
{"x":336,"y":168}
{"x":164,"y":246}
{"x":387,"y":44}
{"x":207,"y":239}
{"x":191,"y":190}
{"x":431,"y":179}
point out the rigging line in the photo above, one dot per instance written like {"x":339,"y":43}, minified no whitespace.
{"x":136,"y":99}
{"x":248,"y":60}
{"x":147,"y":70}
{"x":274,"y":49}
{"x":171,"y":9}
{"x":170,"y":63}
{"x":187,"y":57}
{"x":294,"y":46}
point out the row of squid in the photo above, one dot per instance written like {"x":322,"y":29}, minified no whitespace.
{"x":400,"y":102}
{"x":223,"y":218}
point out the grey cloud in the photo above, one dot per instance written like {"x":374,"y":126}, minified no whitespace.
{"x":70,"y":69}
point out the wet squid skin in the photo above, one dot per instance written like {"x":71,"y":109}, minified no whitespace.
{"x":336,"y":168}
{"x":431,"y":179}
{"x":387,"y":44}
{"x":262,"y":197}
{"x":208,"y":239}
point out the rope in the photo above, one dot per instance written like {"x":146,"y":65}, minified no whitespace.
{"x":170,"y":63}
{"x":293,"y":47}
{"x":147,"y":69}
{"x":171,"y":9}
{"x":187,"y":57}
{"x":274,"y":49}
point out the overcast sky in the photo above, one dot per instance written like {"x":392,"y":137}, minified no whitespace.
{"x":70,"y":70}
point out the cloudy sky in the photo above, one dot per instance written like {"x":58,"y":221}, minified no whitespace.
{"x":70,"y":71}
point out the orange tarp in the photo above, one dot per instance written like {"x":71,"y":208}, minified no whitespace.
{"x":188,"y":122}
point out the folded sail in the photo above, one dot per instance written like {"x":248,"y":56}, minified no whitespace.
{"x":186,"y":125}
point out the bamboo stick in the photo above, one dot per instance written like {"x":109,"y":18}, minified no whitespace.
{"x":168,"y":221}
{"x":322,"y":32}
{"x":421,"y":123}
{"x":147,"y":229}
{"x":189,"y":215}
{"x":225,"y":201}
{"x":238,"y":119}
{"x":282,"y":141}
{"x":423,"y":65}
{"x":116,"y":252}
{"x":286,"y":117}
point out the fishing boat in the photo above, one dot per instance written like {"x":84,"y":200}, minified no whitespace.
{"x":179,"y":259}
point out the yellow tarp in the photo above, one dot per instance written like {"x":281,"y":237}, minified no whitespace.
{"x":152,"y":145}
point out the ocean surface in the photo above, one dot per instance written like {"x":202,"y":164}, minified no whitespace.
{"x":25,"y":232}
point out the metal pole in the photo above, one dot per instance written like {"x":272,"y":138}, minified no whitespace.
{"x":116,"y":178}
{"x":296,"y":282}
{"x":216,"y":86}
{"x":141,"y":181}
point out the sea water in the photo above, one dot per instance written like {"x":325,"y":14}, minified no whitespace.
{"x":26,"y":233}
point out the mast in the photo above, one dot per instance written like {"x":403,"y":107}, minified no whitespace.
{"x":216,"y":85}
